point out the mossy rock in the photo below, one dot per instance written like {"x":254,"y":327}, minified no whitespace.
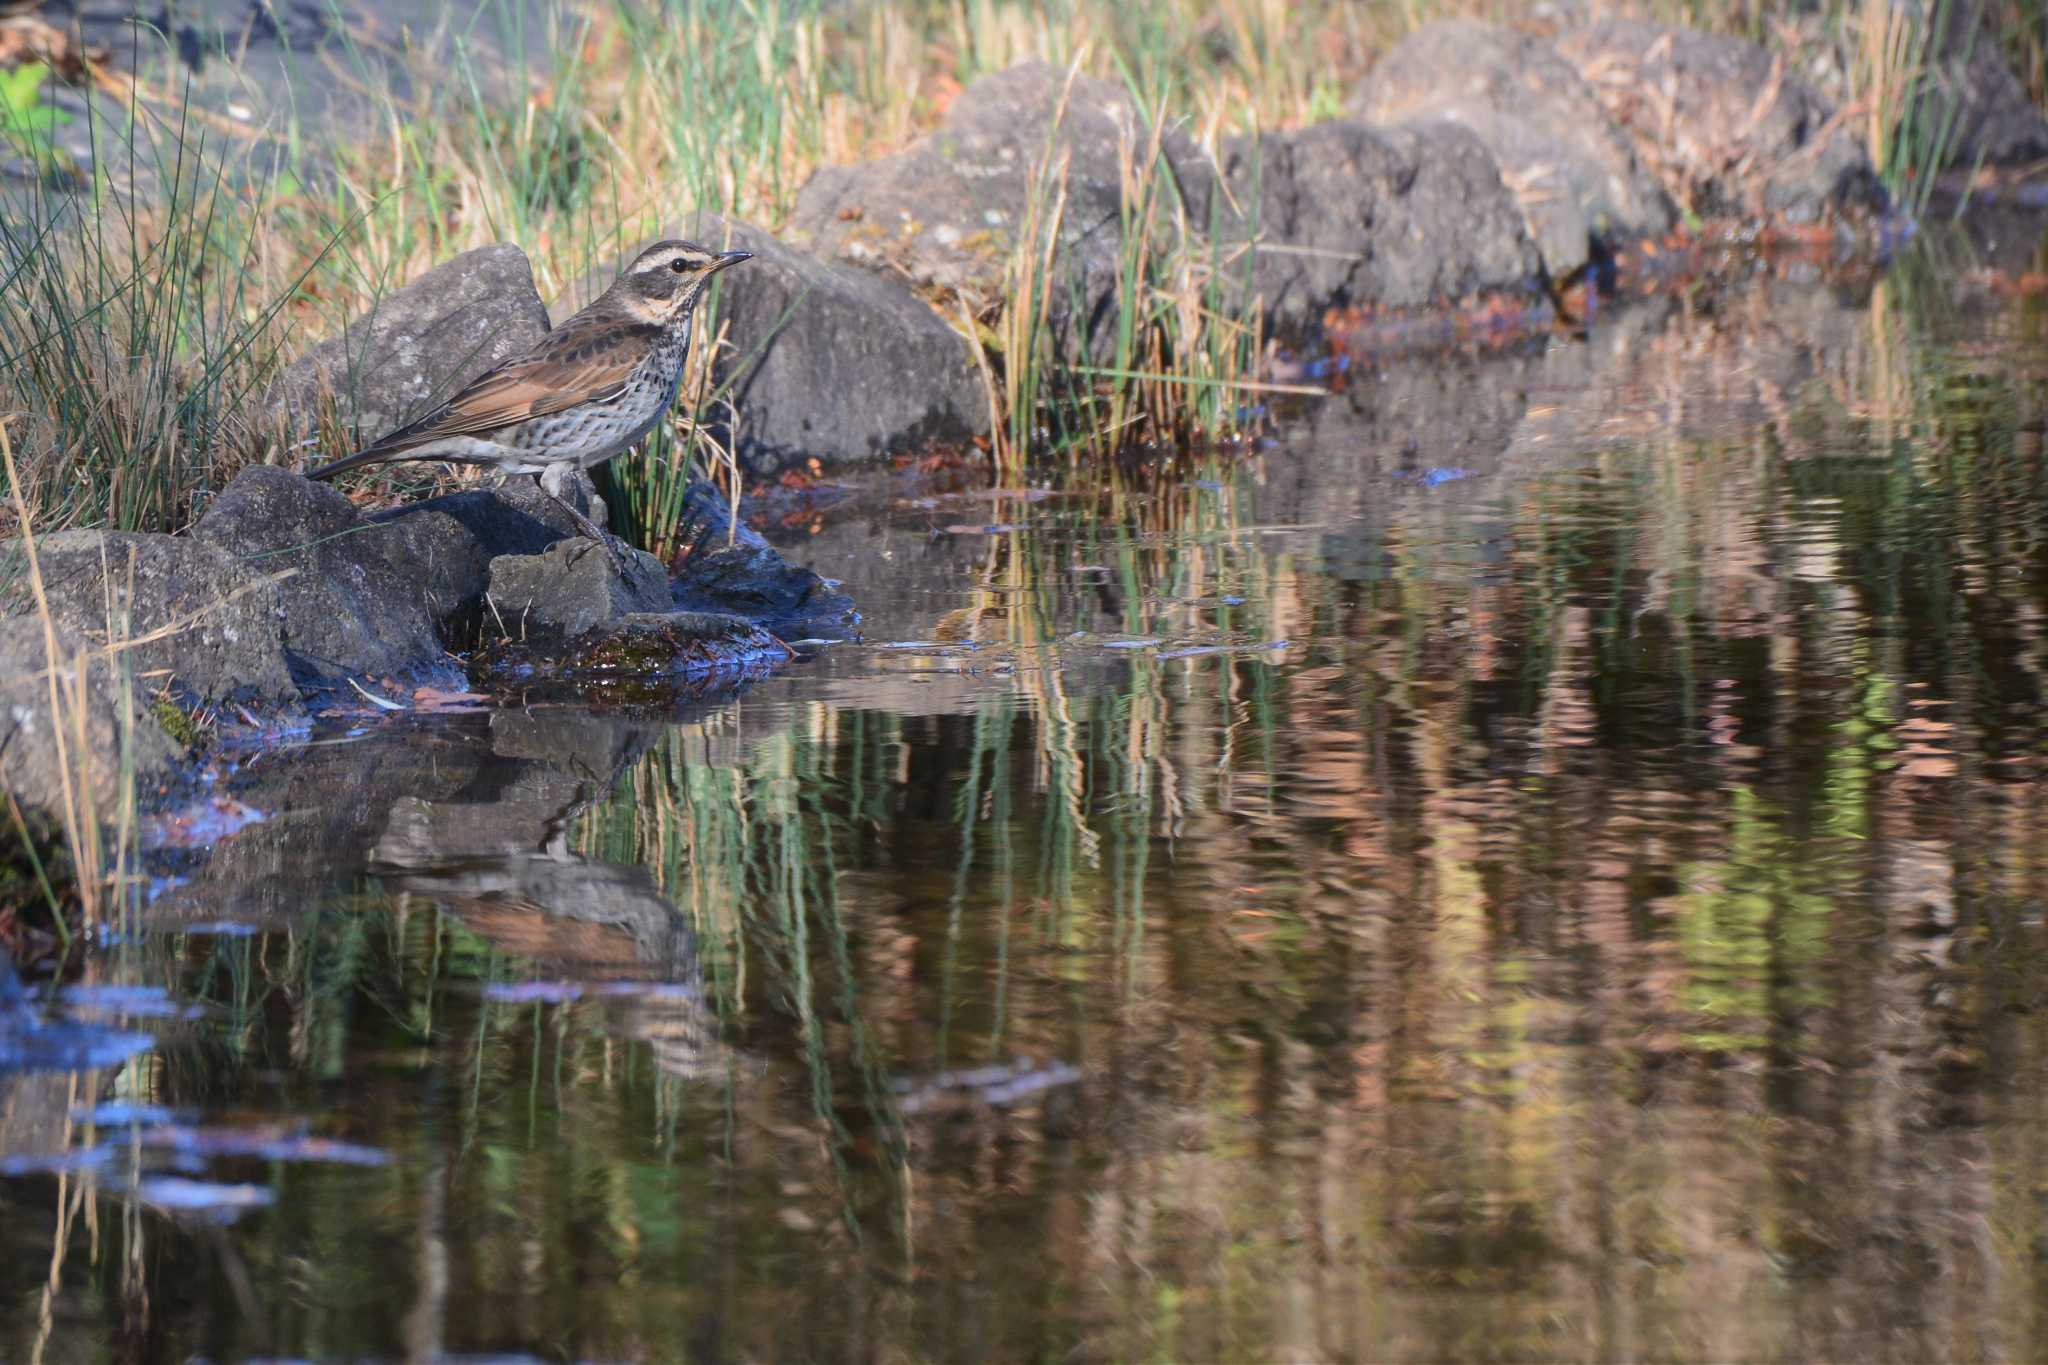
{"x":178,"y":724}
{"x":642,"y":659}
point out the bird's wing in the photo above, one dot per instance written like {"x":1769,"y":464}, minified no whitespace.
{"x":579,"y":362}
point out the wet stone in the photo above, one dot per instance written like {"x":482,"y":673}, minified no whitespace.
{"x":357,"y":596}
{"x":1727,"y":125}
{"x":728,"y":568}
{"x":570,"y":589}
{"x":1344,"y":215}
{"x":32,"y":765}
{"x":1577,"y":179}
{"x":944,"y":212}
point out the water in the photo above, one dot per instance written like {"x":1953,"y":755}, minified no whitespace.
{"x":1547,"y":862}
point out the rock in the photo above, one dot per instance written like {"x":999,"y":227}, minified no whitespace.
{"x":1995,"y":122}
{"x":831,"y":362}
{"x":943,"y":212}
{"x":365,"y":597}
{"x":1394,"y":217}
{"x":30,"y":766}
{"x":421,"y":343}
{"x":569,"y":589}
{"x":727,"y":569}
{"x":1731,"y":131}
{"x":639,"y":659}
{"x":1577,"y":179}
{"x":215,"y":626}
{"x":514,"y":518}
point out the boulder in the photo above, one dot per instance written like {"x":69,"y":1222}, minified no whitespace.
{"x":30,"y":766}
{"x":832,"y":362}
{"x":1346,"y":215}
{"x":728,"y":568}
{"x":1578,"y":180}
{"x":420,"y":343}
{"x":365,"y":597}
{"x":943,"y":212}
{"x":1729,"y":128}
{"x":569,"y":589}
{"x":822,"y":360}
{"x":212,"y":623}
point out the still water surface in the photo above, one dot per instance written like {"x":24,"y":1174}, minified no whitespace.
{"x":1546,"y":861}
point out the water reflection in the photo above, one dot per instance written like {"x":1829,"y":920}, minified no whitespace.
{"x":1582,"y":900}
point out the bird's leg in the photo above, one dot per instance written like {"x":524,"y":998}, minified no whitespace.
{"x":550,"y":484}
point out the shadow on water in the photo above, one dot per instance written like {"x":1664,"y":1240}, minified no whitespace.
{"x":1544,"y":862}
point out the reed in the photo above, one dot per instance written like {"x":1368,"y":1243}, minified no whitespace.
{"x":1909,"y":130}
{"x":135,"y":331}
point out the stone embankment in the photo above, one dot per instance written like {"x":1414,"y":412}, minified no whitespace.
{"x":285,"y":598}
{"x":1474,"y":161}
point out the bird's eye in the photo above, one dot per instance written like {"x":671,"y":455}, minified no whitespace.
{"x":680,"y":267}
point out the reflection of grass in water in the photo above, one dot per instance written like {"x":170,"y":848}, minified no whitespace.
{"x":1758,"y":925}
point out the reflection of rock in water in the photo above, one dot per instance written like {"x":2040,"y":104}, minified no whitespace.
{"x":505,"y":869}
{"x":590,"y":921}
{"x":327,"y":804}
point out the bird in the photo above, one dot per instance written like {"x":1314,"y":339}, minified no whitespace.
{"x":588,"y":391}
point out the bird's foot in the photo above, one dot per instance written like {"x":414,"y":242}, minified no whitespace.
{"x":613,"y":548}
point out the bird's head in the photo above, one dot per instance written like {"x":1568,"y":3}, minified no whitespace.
{"x":664,"y":281}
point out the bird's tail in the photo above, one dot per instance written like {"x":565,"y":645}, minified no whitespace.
{"x":360,"y":460}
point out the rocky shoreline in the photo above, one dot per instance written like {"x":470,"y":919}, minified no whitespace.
{"x":1475,"y":161}
{"x":1539,"y":161}
{"x":285,"y":600}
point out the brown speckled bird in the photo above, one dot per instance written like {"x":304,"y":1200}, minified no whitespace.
{"x":589,"y":390}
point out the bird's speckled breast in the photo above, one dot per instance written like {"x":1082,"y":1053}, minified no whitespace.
{"x":592,"y":433}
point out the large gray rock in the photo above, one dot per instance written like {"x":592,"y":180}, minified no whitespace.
{"x":365,"y":597}
{"x":822,"y":360}
{"x":1727,"y":125}
{"x":1576,"y":178}
{"x":30,"y":765}
{"x":1348,"y":215}
{"x":212,"y":624}
{"x":833,"y":362}
{"x":420,"y":343}
{"x":943,"y":212}
{"x":569,"y":589}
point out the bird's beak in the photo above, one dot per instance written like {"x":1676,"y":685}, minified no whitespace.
{"x":726,"y":258}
